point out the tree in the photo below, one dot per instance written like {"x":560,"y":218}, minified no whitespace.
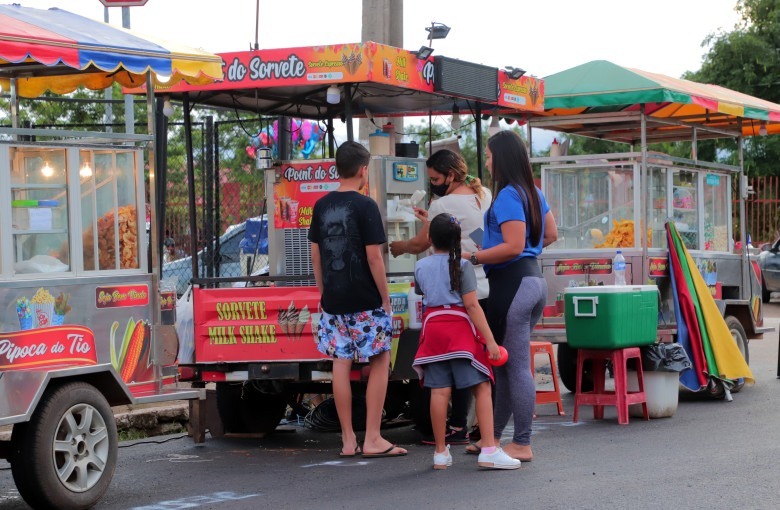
{"x":747,"y":60}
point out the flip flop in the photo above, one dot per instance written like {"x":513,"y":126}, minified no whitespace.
{"x":386,"y":453}
{"x":473,"y":449}
{"x":354,"y":454}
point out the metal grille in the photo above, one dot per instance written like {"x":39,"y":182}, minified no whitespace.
{"x":297,"y":255}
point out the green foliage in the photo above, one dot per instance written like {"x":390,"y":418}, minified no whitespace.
{"x":747,"y":60}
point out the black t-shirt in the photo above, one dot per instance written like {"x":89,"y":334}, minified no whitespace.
{"x":343,"y":223}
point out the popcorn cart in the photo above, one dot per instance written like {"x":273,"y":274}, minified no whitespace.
{"x":258,"y":342}
{"x":622,"y":201}
{"x":80,"y":303}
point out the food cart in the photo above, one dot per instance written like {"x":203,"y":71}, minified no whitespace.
{"x":80,"y":315}
{"x":258,"y":342}
{"x":608,"y":201}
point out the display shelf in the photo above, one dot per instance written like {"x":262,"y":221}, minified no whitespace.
{"x":46,"y":231}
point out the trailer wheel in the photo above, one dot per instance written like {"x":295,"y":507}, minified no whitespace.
{"x":567,"y":369}
{"x":65,"y":456}
{"x":740,"y":338}
{"x":244,"y":409}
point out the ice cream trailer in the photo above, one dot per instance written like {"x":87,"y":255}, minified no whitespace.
{"x":84,"y":324}
{"x":255,"y":335}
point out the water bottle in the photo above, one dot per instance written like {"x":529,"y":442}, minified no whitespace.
{"x":415,"y":309}
{"x":619,"y":268}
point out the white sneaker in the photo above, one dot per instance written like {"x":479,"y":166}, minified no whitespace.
{"x":497,"y":460}
{"x":442,"y":460}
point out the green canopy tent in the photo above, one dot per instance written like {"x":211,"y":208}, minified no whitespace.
{"x":604,"y":100}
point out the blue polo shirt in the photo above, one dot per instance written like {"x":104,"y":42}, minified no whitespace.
{"x":508,"y":206}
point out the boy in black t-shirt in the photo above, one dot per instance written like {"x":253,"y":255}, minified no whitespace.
{"x":346,"y":237}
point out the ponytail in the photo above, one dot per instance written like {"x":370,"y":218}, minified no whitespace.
{"x":455,"y":261}
{"x":444,"y":232}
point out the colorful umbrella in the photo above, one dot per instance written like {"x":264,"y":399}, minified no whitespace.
{"x":721,"y":357}
{"x":91,"y":53}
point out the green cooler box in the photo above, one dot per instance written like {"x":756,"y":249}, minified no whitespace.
{"x":611,"y":317}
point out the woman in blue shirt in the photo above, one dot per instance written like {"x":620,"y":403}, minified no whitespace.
{"x":517,"y":226}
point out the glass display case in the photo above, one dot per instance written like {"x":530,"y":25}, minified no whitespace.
{"x":685,"y":211}
{"x":39,"y":210}
{"x":70,"y":210}
{"x":594,"y":206}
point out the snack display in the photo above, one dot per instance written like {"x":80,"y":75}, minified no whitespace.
{"x":24,"y":312}
{"x":42,"y":304}
{"x":621,"y":236}
{"x":128,"y":241}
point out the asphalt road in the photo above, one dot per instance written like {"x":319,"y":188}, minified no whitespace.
{"x":711,"y":454}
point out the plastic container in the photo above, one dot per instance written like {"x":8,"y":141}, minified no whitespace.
{"x":619,"y":268}
{"x":662,"y":390}
{"x":610,"y":316}
{"x":415,"y":309}
{"x":379,"y":143}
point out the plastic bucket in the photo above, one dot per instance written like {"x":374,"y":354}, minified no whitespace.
{"x":662,"y":390}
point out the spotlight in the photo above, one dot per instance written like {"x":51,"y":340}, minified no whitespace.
{"x":762,"y":128}
{"x":514,"y":72}
{"x":424,"y":52}
{"x":333,"y":95}
{"x":437,"y":30}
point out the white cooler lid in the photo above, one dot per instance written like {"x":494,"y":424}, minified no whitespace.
{"x":611,"y":289}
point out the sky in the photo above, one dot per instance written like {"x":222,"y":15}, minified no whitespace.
{"x":542,"y":36}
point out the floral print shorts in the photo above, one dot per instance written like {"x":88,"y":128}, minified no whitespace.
{"x":355,"y":335}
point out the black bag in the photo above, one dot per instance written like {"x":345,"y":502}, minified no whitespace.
{"x":665,"y":358}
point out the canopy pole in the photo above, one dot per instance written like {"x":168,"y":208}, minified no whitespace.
{"x":643,"y":184}
{"x":185,"y":106}
{"x":14,"y":104}
{"x":129,"y":111}
{"x":478,"y":122}
{"x":743,"y":194}
{"x":348,"y":111}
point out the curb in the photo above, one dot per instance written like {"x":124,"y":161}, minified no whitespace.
{"x":148,"y":419}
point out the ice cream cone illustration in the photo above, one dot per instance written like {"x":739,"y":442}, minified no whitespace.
{"x":282,"y":320}
{"x":303,"y":320}
{"x":292,"y":319}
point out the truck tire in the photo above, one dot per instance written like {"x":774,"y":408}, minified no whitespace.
{"x":567,"y":369}
{"x":740,"y":338}
{"x":244,"y":409}
{"x":65,"y":456}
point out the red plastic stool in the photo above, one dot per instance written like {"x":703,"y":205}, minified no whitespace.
{"x":547,"y":396}
{"x":621,"y":397}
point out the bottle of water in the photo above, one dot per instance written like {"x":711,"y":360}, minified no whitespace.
{"x":619,"y":268}
{"x":415,"y":309}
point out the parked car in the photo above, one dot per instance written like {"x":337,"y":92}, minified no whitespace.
{"x":769,"y":262}
{"x":229,"y":258}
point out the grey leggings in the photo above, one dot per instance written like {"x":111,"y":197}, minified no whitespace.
{"x":515,"y":387}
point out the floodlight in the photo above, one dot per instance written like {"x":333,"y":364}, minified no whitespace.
{"x":514,"y":72}
{"x":437,"y":30}
{"x":424,"y":52}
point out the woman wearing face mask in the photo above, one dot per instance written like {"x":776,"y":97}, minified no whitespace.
{"x":463,"y":197}
{"x":518,"y":225}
